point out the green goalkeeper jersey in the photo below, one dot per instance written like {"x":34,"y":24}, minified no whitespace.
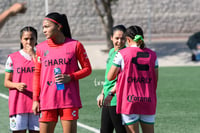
{"x":108,"y":85}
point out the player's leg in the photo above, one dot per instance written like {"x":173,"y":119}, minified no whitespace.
{"x":132,"y":128}
{"x":32,"y":131}
{"x":69,"y":126}
{"x":47,"y":127}
{"x":48,"y":121}
{"x":68,"y":118}
{"x":116,"y":120}
{"x":22,"y":131}
{"x":33,"y":124}
{"x":106,"y":122}
{"x":131,"y":122}
{"x":147,"y":128}
{"x":18,"y":123}
{"x":147,"y":123}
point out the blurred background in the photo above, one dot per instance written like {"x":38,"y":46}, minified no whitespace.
{"x":169,"y":26}
{"x":158,"y":18}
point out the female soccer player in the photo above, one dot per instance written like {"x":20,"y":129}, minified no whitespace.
{"x":58,"y":51}
{"x":109,"y":119}
{"x":137,"y":70}
{"x":18,"y":78}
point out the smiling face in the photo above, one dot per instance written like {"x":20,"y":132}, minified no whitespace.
{"x":118,"y":39}
{"x":50,"y":29}
{"x":28,"y":38}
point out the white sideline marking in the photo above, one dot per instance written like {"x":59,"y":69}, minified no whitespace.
{"x":3,"y":95}
{"x":78,"y":123}
{"x":88,"y":127}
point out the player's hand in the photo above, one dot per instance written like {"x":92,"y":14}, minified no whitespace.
{"x":21,"y":86}
{"x":107,"y":100}
{"x":36,"y":107}
{"x":100,"y":100}
{"x":62,"y":78}
{"x":29,"y":50}
{"x":17,"y":8}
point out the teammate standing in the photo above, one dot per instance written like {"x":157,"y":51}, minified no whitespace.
{"x":137,"y":70}
{"x":18,"y":78}
{"x":109,"y":119}
{"x":59,"y":50}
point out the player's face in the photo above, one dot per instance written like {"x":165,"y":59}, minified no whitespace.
{"x":28,"y":39}
{"x":118,"y":39}
{"x":50,"y":29}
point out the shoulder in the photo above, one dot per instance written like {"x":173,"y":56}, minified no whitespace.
{"x":41,"y":44}
{"x":13,"y":54}
{"x":111,"y":50}
{"x":70,"y":40}
{"x":124,"y":50}
{"x":73,"y":42}
{"x":150,"y":51}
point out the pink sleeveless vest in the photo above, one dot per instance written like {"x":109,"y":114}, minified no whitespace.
{"x":21,"y":102}
{"x":136,"y":84}
{"x":64,"y":57}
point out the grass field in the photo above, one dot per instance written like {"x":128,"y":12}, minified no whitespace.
{"x":178,"y":109}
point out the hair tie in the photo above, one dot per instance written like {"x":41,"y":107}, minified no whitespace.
{"x":137,"y":38}
{"x":52,"y":20}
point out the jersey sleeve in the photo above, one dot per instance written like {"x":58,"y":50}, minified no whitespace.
{"x":9,"y":65}
{"x":36,"y":78}
{"x":117,"y":61}
{"x":84,"y":62}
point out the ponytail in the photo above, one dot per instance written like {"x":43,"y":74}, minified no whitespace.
{"x":136,"y":33}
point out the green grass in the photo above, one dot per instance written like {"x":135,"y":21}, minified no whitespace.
{"x":178,"y":109}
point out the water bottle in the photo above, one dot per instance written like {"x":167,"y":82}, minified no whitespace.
{"x":60,"y":86}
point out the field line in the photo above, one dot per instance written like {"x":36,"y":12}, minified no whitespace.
{"x":3,"y":96}
{"x":78,"y":123}
{"x":88,"y":127}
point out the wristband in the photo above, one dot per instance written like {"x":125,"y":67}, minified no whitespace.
{"x":110,"y":94}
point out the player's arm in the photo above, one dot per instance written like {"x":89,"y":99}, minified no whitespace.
{"x":84,"y":62}
{"x":112,"y":74}
{"x":110,"y":95}
{"x":12,"y":85}
{"x":115,"y":68}
{"x":100,"y":99}
{"x":8,"y":83}
{"x":36,"y":78}
{"x":36,"y":84}
{"x":13,"y":10}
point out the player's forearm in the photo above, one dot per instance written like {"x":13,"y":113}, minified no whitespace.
{"x":4,"y":16}
{"x":81,"y":73}
{"x":9,"y":84}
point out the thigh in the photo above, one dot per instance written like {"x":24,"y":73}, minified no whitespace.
{"x":69,"y":126}
{"x":106,"y":122}
{"x":130,"y":119}
{"x":69,"y":113}
{"x":33,"y":122}
{"x":147,"y":123}
{"x":47,"y":127}
{"x":116,"y":120}
{"x":48,"y":120}
{"x":147,"y":128}
{"x":132,"y":128}
{"x":68,"y":117}
{"x":19,"y":122}
{"x":49,"y":115}
{"x":148,"y":119}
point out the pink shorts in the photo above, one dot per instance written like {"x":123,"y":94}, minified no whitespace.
{"x":65,"y":114}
